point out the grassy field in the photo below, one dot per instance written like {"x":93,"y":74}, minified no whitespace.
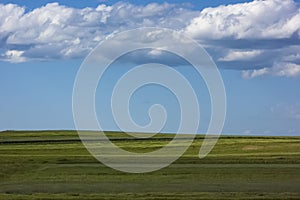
{"x":55,"y":165}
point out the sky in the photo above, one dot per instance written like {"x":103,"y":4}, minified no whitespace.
{"x":255,"y":45}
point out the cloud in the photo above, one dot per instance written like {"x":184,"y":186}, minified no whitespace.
{"x":55,"y":31}
{"x":260,"y":19}
{"x":14,"y":56}
{"x":248,"y":74}
{"x":259,"y":38}
{"x":279,"y":69}
{"x":237,"y":55}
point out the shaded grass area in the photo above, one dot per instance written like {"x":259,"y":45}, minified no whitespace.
{"x":237,"y":168}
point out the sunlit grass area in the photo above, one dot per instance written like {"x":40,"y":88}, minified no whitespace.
{"x":56,"y":165}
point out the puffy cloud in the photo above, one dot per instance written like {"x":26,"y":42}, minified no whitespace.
{"x":248,"y":74}
{"x":246,"y":36}
{"x":262,"y":19}
{"x":252,"y":36}
{"x":292,"y":57}
{"x":55,"y":31}
{"x":9,"y":15}
{"x":278,"y":69}
{"x":14,"y":56}
{"x":238,"y":55}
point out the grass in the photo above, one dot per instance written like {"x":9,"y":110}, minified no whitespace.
{"x":55,"y":165}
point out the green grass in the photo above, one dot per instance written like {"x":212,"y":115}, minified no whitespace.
{"x":56,"y":165}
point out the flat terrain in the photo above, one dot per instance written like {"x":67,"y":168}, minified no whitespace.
{"x":56,"y":165}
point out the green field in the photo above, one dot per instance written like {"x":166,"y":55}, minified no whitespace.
{"x":55,"y":165}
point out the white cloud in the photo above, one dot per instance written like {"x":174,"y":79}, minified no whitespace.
{"x":9,"y":15}
{"x":14,"y":56}
{"x":244,"y":36}
{"x":278,"y":69}
{"x":248,"y":74}
{"x":234,"y":55}
{"x":292,"y":57}
{"x":155,"y":52}
{"x":65,"y":32}
{"x":257,"y":19}
{"x":286,"y":69}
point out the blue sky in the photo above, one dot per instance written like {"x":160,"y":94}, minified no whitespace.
{"x":257,"y":51}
